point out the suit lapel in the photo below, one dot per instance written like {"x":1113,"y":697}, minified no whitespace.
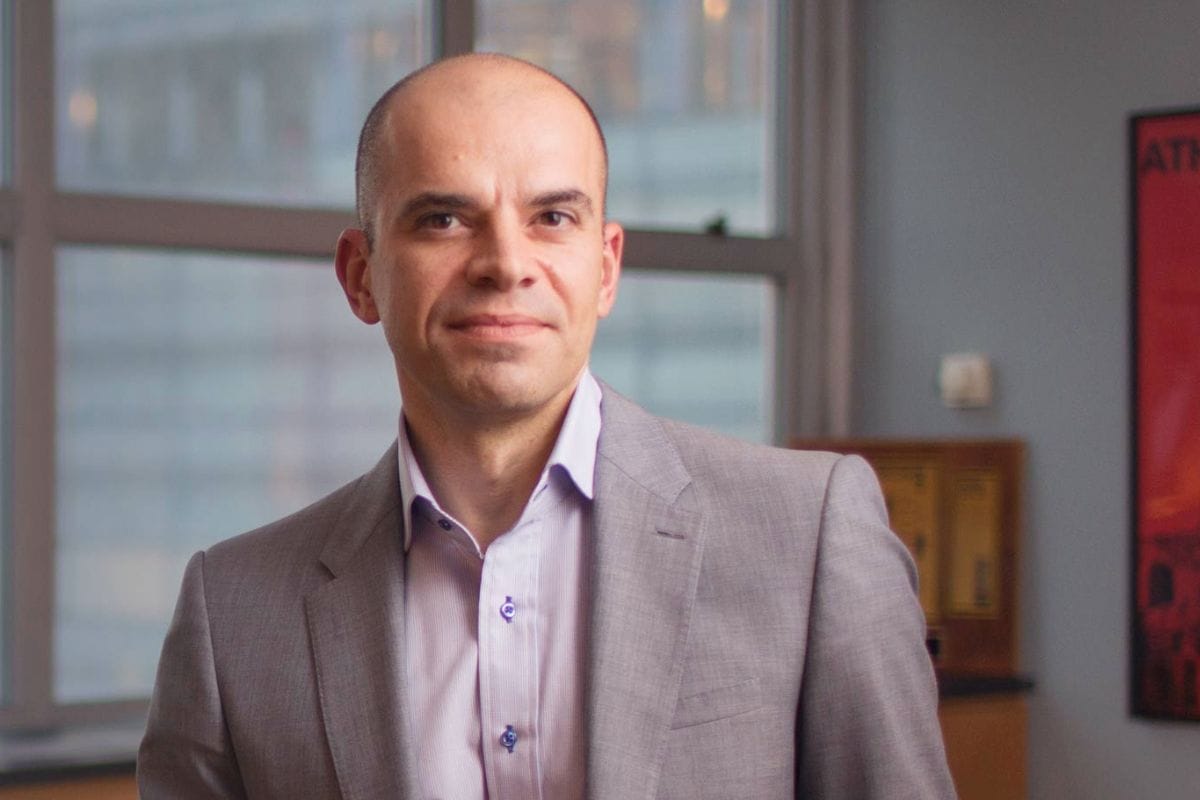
{"x":356,"y":627}
{"x":647,"y":546}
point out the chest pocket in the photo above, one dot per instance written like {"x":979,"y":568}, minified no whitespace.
{"x":716,"y":704}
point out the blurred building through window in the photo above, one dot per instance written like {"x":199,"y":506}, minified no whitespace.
{"x":698,"y":348}
{"x":223,"y":99}
{"x":198,"y":396}
{"x":685,"y":90}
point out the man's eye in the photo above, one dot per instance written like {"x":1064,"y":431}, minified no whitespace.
{"x":438,"y":221}
{"x":554,"y":219}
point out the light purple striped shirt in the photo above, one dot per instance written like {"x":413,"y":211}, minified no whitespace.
{"x":495,"y":643}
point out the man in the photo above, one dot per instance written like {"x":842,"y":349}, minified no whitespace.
{"x":541,"y":591}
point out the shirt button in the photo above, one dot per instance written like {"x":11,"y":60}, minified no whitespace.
{"x":508,"y":609}
{"x":509,"y":738}
{"x":445,"y":524}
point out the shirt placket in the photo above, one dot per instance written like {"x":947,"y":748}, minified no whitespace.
{"x":508,"y":698}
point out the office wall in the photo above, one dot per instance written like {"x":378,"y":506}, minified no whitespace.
{"x":994,"y":217}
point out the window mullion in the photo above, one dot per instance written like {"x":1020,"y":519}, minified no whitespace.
{"x":30,"y":574}
{"x":456,"y":31}
{"x":795,"y":369}
{"x":190,"y":224}
{"x":690,"y":252}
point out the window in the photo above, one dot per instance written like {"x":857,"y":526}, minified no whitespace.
{"x":176,"y":362}
{"x":199,"y":395}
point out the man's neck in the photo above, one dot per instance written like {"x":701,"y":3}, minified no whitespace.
{"x":484,"y":474}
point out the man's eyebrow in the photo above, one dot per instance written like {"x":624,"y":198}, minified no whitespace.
{"x":428,"y":200}
{"x":563,"y":197}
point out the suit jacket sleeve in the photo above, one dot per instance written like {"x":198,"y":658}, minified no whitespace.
{"x":867,"y":724}
{"x":186,"y":751}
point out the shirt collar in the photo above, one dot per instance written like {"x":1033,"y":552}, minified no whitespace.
{"x":574,"y":452}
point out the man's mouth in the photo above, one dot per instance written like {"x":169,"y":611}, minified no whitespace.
{"x":498,"y":326}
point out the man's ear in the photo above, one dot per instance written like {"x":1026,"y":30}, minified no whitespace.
{"x":614,"y":244}
{"x":352,"y":262}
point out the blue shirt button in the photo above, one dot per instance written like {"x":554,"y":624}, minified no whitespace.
{"x":445,"y":523}
{"x":508,"y":609}
{"x":509,"y":738}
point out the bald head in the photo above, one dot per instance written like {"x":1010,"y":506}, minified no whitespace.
{"x":499,"y":72}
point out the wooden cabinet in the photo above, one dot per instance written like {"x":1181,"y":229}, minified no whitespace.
{"x":986,"y":745}
{"x":109,"y":787}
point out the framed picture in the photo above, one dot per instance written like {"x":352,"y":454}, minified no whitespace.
{"x":1165,"y":244}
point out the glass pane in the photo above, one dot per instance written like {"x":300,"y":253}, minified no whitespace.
{"x":249,"y":101}
{"x":198,"y":396}
{"x":699,"y":348}
{"x":685,"y":91}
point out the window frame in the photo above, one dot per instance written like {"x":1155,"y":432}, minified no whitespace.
{"x":808,"y":260}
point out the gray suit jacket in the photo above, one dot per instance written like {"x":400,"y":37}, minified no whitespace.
{"x":755,"y":634}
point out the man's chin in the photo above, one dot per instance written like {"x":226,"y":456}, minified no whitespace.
{"x":509,"y":392}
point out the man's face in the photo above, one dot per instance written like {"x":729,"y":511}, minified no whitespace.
{"x":492,"y":262}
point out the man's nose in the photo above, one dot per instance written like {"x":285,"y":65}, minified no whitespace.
{"x":503,"y":259}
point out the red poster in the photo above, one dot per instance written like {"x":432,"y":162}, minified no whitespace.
{"x":1166,"y":370}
